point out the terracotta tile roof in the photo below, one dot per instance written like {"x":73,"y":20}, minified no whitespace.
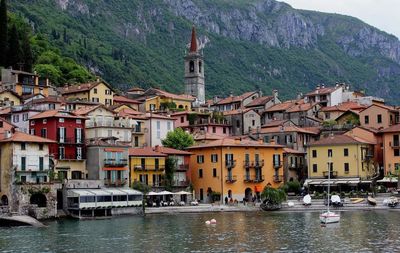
{"x":170,"y":151}
{"x":131,"y":114}
{"x":391,"y":129}
{"x":147,"y":151}
{"x":23,"y":137}
{"x":302,"y":107}
{"x":87,"y":109}
{"x":386,"y":107}
{"x":261,"y":101}
{"x":322,"y":91}
{"x":82,"y":87}
{"x":277,"y":123}
{"x":49,"y":99}
{"x":207,"y":136}
{"x":238,"y":111}
{"x":57,"y":114}
{"x":122,"y":99}
{"x":287,"y":129}
{"x":158,"y":116}
{"x":5,"y":111}
{"x":339,"y":140}
{"x":166,"y":94}
{"x":232,"y":142}
{"x":136,"y":89}
{"x":281,"y":107}
{"x":343,"y":107}
{"x":232,"y":99}
{"x":12,"y":92}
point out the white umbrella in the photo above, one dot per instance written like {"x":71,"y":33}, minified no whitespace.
{"x":307,"y":199}
{"x":335,"y":198}
{"x":164,"y":193}
{"x":152,"y":194}
{"x":182,"y":193}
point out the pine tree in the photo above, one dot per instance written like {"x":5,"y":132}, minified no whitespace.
{"x":3,"y":33}
{"x":14,"y":55}
{"x":27,"y":52}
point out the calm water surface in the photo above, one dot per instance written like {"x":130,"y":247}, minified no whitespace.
{"x":235,"y":232}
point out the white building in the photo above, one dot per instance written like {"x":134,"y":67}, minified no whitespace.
{"x":158,"y":126}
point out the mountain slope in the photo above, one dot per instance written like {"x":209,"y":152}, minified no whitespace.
{"x":249,"y":44}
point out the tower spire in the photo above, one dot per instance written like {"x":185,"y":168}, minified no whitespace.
{"x":193,"y":42}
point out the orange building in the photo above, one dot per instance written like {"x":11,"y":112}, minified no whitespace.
{"x":391,"y":149}
{"x":235,"y":168}
{"x":379,"y":116}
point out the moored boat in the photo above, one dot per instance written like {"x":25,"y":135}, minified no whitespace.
{"x":393,"y":202}
{"x":329,"y":217}
{"x":371,"y":201}
{"x":356,"y":200}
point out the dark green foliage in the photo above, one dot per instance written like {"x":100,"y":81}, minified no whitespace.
{"x":292,"y":186}
{"x":178,"y":139}
{"x":273,"y":196}
{"x":3,"y":33}
{"x":142,"y":187}
{"x":26,"y":52}
{"x":14,"y":53}
{"x":170,"y":165}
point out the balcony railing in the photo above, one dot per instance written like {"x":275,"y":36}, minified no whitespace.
{"x":148,"y":167}
{"x":178,"y":183}
{"x":333,"y":173}
{"x":115,"y":163}
{"x":277,"y":164}
{"x":248,"y":164}
{"x":368,"y":157}
{"x":231,"y":179}
{"x":71,"y":140}
{"x":182,"y":167}
{"x":230,"y":163}
{"x":138,"y":130}
{"x":395,"y":144}
{"x":247,"y":179}
{"x":68,"y":157}
{"x":118,"y":182}
{"x":278,"y":178}
{"x":259,"y":164}
{"x":258,"y":179}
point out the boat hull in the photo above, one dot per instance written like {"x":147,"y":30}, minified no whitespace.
{"x":329,"y":217}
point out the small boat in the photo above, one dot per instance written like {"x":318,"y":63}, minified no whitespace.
{"x":356,"y":200}
{"x":393,"y":202}
{"x":290,"y":204}
{"x":328,"y":216}
{"x":307,"y":200}
{"x":270,"y":207}
{"x":371,"y":201}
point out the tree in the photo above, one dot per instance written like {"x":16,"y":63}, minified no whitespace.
{"x":49,"y":71}
{"x":3,"y":33}
{"x":143,"y":188}
{"x":178,"y":139}
{"x":14,"y":53}
{"x":27,"y":52}
{"x":272,"y":198}
{"x":170,"y":165}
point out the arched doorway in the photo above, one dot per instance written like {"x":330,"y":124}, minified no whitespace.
{"x":229,"y":193}
{"x":38,"y":199}
{"x":248,"y":194}
{"x":4,"y":200}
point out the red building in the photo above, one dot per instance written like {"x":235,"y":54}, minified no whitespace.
{"x":67,"y":129}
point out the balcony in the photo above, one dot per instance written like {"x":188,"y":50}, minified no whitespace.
{"x":258,"y":179}
{"x":114,"y":183}
{"x":115,"y":163}
{"x":247,"y":179}
{"x":277,"y":164}
{"x":231,"y":179}
{"x":148,"y":167}
{"x":333,"y":174}
{"x":177,"y":183}
{"x":248,"y":164}
{"x":182,"y":167}
{"x":139,"y":130}
{"x":69,"y":157}
{"x":259,"y":164}
{"x":395,"y":144}
{"x":230,"y":163}
{"x":278,"y":178}
{"x":71,"y":141}
{"x":368,"y":157}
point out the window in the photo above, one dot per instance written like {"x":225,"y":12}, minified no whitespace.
{"x":95,"y":90}
{"x":78,"y":121}
{"x":314,"y":168}
{"x":366,"y":119}
{"x":314,"y":153}
{"x":182,"y":119}
{"x":200,"y":159}
{"x":169,"y":126}
{"x":32,"y":122}
{"x":214,"y":172}
{"x":41,"y":164}
{"x":78,"y":153}
{"x":61,"y":120}
{"x":200,"y":173}
{"x":32,"y":131}
{"x":395,"y":140}
{"x":396,"y":166}
{"x":25,"y":117}
{"x":277,"y":160}
{"x":201,"y":195}
{"x":191,"y":66}
{"x":62,"y":133}
{"x":23,"y":179}
{"x":237,"y":123}
{"x":327,"y":115}
{"x":23,"y":163}
{"x":224,"y":130}
{"x":346,"y":168}
{"x":247,"y":158}
{"x":136,"y":141}
{"x":158,"y":129}
{"x":23,"y":146}
{"x":200,"y":63}
{"x":78,"y":135}
{"x":52,"y":106}
{"x":15,"y":118}
{"x":396,"y":152}
{"x":253,"y":122}
{"x":43,"y":132}
{"x":379,"y":118}
{"x":214,"y":129}
{"x":61,"y":152}
{"x":44,"y":121}
{"x":330,"y":153}
{"x":214,"y":158}
{"x":346,"y":152}
{"x":40,"y":146}
{"x":152,"y":107}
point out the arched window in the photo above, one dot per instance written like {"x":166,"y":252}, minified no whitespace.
{"x":200,"y":65}
{"x":39,"y":199}
{"x":191,"y":66}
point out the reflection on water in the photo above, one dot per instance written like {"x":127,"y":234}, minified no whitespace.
{"x":234,"y":232}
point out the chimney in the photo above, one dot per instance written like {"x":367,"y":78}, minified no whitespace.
{"x":318,"y":87}
{"x":98,"y":79}
{"x":231,"y":94}
{"x":275,"y":94}
{"x":260,"y":92}
{"x":157,"y":148}
{"x":323,"y":86}
{"x":237,"y":140}
{"x":215,"y":99}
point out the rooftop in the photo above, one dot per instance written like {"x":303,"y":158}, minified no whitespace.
{"x":232,"y":99}
{"x":147,"y":151}
{"x":260,"y":101}
{"x":122,"y":99}
{"x":56,"y":114}
{"x":339,"y":140}
{"x":235,"y":142}
{"x":23,"y":137}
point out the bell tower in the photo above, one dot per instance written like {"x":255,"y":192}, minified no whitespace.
{"x":194,"y":70}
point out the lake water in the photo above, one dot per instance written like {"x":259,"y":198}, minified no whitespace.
{"x":366,"y":231}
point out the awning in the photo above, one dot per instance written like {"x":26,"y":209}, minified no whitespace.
{"x":388,"y":180}
{"x":115,"y":168}
{"x":182,"y":193}
{"x":152,"y":194}
{"x":332,"y":181}
{"x":165,"y":193}
{"x":258,"y":188}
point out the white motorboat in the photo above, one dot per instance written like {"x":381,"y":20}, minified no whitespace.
{"x":328,"y":216}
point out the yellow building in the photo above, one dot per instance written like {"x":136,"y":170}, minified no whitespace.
{"x":147,"y":166}
{"x":97,"y":92}
{"x":9,"y":98}
{"x":350,"y":159}
{"x":159,"y":100}
{"x":24,"y":83}
{"x":235,"y":168}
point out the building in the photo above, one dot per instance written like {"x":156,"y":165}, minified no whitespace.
{"x":97,"y":92}
{"x":350,"y":161}
{"x":333,"y":112}
{"x":235,"y":102}
{"x":379,"y":116}
{"x":24,"y":83}
{"x":294,"y":165}
{"x":107,"y":160}
{"x":68,"y":151}
{"x":147,"y":165}
{"x":263,"y":102}
{"x":9,"y":98}
{"x":157,"y":100}
{"x":235,"y":168}
{"x":157,"y":127}
{"x":243,"y":120}
{"x":121,"y":100}
{"x":277,"y":111}
{"x":391,"y":149}
{"x":303,"y":114}
{"x":194,"y":70}
{"x":138,"y":121}
{"x":326,"y":96}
